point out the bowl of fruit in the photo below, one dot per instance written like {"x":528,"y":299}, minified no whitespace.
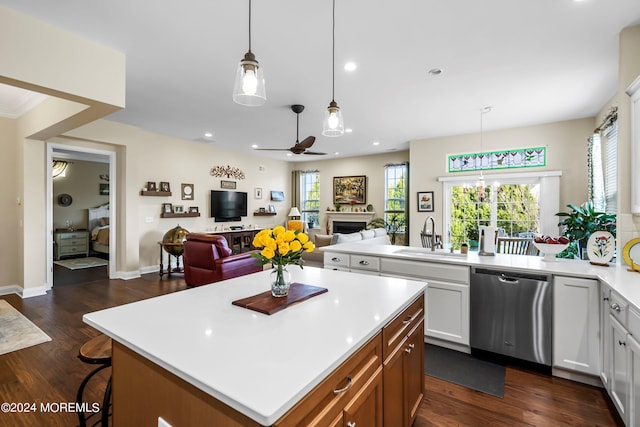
{"x":550,"y":246}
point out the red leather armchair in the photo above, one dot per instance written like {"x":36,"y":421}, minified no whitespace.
{"x":207,"y":258}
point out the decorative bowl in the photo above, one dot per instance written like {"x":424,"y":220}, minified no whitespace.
{"x":550,"y":250}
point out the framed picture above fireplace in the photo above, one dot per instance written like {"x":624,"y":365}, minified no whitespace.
{"x":350,"y":189}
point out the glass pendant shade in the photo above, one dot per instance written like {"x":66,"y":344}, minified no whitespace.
{"x":333,"y":125}
{"x":249,"y":88}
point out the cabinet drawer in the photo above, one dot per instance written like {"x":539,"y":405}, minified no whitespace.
{"x":633,"y":325}
{"x":69,"y":243}
{"x":425,"y":270}
{"x":72,"y":236}
{"x":68,"y":250}
{"x":618,"y":308}
{"x":364,"y":262}
{"x":399,"y":327}
{"x":327,"y":400}
{"x":334,"y":259}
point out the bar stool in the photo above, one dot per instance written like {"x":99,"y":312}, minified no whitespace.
{"x":96,"y":351}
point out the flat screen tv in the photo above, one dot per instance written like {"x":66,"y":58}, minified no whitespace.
{"x":228,"y":205}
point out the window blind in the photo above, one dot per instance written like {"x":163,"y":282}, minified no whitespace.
{"x":611,"y":168}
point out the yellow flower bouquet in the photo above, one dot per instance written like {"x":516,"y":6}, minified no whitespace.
{"x":280,"y":247}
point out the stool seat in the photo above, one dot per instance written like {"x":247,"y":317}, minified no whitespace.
{"x":96,"y":351}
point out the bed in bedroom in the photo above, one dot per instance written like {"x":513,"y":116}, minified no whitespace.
{"x":99,"y":228}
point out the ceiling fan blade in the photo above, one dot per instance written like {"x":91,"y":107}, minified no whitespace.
{"x":272,"y":149}
{"x":315,"y":153}
{"x":307,"y":142}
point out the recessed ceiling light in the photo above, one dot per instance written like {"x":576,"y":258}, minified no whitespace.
{"x":289,"y":154}
{"x":435,"y":71}
{"x":348,"y":130}
{"x":208,"y":135}
{"x":335,"y":153}
{"x":254,"y":145}
{"x":376,"y":142}
{"x":350,"y":66}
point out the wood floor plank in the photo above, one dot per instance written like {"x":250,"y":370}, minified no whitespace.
{"x":51,"y":372}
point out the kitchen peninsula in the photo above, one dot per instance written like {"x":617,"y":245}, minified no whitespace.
{"x":192,"y":356}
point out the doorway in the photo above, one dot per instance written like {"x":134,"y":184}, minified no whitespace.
{"x":80,"y":214}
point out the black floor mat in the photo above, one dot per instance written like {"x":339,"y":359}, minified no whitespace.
{"x":464,"y":369}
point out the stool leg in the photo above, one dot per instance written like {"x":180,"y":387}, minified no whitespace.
{"x":105,"y":405}
{"x":81,"y":417}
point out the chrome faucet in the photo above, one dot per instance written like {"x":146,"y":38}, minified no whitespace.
{"x":433,"y":232}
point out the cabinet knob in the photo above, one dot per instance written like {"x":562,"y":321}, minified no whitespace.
{"x":616,"y":307}
{"x":622,"y":343}
{"x":408,"y":320}
{"x":363,"y":262}
{"x":351,"y":424}
{"x":335,"y":259}
{"x":345,"y":388}
{"x":407,"y":350}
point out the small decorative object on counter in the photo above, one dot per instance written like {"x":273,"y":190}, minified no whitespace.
{"x":600,"y":248}
{"x":464,"y":248}
{"x":280,"y":248}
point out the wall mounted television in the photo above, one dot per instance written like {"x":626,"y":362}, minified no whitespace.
{"x":227,"y":206}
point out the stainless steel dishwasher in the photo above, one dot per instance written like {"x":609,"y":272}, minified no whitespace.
{"x":511,"y":314}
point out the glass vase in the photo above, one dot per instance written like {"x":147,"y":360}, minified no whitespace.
{"x":280,"y":281}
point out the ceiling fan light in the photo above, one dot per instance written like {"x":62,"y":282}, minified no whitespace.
{"x":249,"y":88}
{"x":333,"y":124}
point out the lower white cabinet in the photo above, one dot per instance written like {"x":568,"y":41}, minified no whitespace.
{"x":576,"y":324}
{"x":447,"y":311}
{"x":634,"y":396}
{"x":605,"y":339}
{"x":619,"y":379}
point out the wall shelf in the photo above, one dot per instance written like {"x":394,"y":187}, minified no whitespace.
{"x":180,"y":215}
{"x":264,"y":214}
{"x":155,"y":193}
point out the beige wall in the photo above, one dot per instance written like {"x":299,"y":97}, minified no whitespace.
{"x":370,"y":166}
{"x":8,"y":203}
{"x":628,"y":226}
{"x":566,"y":151}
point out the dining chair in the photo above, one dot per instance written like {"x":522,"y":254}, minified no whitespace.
{"x":514,"y":245}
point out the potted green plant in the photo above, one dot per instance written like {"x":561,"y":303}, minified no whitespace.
{"x":580,"y":223}
{"x":393,"y":226}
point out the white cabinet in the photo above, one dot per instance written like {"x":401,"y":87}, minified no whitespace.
{"x":336,"y":261}
{"x":634,"y":92}
{"x":446,"y":319}
{"x":576,"y":329}
{"x":634,"y":396}
{"x":619,"y":368}
{"x":605,"y":339}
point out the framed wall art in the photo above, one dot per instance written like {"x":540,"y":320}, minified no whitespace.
{"x":257,"y":193}
{"x":187,"y":191}
{"x":425,"y":201}
{"x":277,"y":196}
{"x":104,"y":189}
{"x":164,"y":186}
{"x":229,"y":185}
{"x":167,"y":208}
{"x":350,"y":189}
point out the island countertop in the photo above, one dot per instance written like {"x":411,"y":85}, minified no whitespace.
{"x":260,"y":365}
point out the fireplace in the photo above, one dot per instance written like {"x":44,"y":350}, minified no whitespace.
{"x":346,"y":227}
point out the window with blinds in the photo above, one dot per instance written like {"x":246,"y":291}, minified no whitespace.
{"x":310,"y":197}
{"x":610,"y":163}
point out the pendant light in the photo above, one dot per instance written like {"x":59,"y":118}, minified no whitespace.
{"x":480,"y":184}
{"x":249,"y":88}
{"x":333,"y":124}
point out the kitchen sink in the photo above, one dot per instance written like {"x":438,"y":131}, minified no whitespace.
{"x":427,"y":253}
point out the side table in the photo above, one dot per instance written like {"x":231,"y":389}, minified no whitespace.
{"x":177,"y":269}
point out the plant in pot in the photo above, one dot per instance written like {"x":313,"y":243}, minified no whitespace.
{"x":580,"y":223}
{"x":395,"y":225}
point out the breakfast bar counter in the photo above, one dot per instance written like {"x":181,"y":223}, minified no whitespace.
{"x":256,"y":366}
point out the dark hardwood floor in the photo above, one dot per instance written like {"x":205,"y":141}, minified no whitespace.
{"x":51,"y":372}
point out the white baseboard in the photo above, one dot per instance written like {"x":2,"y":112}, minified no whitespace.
{"x":577,"y":376}
{"x":446,"y":344}
{"x":10,"y":289}
{"x":150,"y":269}
{"x":33,"y":292}
{"x":127,"y":275}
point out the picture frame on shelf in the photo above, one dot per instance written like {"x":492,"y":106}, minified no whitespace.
{"x":178,"y":209}
{"x":151,"y":186}
{"x":277,"y":196}
{"x":425,"y":201}
{"x":228,"y":185}
{"x":187,"y":191}
{"x":104,"y":189}
{"x":193,"y":209}
{"x":272,"y":208}
{"x":262,"y":210}
{"x":350,"y":189}
{"x":257,"y":193}
{"x":167,"y":208}
{"x":165,"y":186}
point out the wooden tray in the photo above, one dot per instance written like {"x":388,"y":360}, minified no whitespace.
{"x":268,"y":304}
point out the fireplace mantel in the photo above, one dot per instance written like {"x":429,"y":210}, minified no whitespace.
{"x":347,"y":217}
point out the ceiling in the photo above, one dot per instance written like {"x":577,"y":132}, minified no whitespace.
{"x":532,"y":61}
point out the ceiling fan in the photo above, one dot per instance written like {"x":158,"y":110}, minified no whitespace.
{"x":299,"y":147}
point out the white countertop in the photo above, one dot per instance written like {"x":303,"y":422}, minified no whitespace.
{"x":258,"y":364}
{"x":626,"y":283}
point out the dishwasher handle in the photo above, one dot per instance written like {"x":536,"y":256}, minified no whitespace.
{"x":510,"y":280}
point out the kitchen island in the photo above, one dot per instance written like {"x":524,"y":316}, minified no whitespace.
{"x":194,"y":351}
